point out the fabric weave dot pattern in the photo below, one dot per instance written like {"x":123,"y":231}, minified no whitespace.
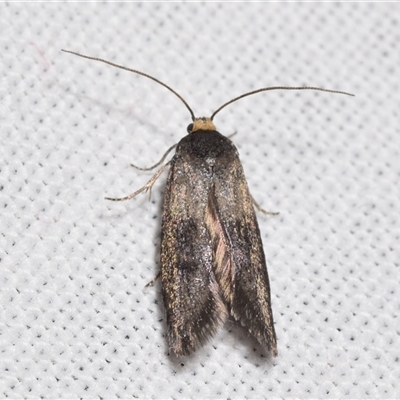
{"x":75,"y":317}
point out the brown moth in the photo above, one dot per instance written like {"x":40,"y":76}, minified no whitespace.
{"x":212,"y":259}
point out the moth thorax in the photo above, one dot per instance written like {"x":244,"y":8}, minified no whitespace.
{"x":203,"y":124}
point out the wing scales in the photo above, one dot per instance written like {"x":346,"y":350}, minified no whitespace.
{"x":192,"y":297}
{"x":245,"y":283}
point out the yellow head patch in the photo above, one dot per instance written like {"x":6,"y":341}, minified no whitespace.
{"x":203,"y":124}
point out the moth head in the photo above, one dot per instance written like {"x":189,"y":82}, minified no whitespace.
{"x":201,"y":124}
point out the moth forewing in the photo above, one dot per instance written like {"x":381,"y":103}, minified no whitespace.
{"x":249,"y":299}
{"x":192,"y":297}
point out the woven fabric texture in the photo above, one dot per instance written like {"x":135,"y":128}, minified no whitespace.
{"x":76,"y":320}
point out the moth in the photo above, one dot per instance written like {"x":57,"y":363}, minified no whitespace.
{"x":212,"y":259}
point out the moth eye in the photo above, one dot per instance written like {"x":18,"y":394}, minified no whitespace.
{"x":190,"y":128}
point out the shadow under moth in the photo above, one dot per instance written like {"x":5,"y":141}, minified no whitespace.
{"x":212,"y":260}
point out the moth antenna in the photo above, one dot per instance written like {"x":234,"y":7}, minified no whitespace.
{"x":276,"y":88}
{"x":136,"y":72}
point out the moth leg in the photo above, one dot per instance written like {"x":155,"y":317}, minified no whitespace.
{"x":259,"y":208}
{"x":151,"y":283}
{"x":159,"y":163}
{"x":145,"y":188}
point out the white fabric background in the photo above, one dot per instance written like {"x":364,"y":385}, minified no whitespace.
{"x":74,"y":318}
